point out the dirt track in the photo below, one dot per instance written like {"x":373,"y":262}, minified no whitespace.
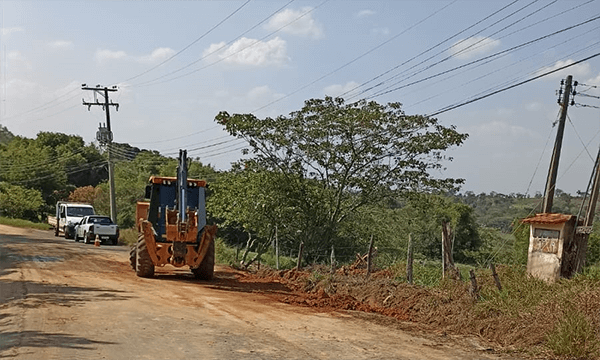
{"x":65,"y":300}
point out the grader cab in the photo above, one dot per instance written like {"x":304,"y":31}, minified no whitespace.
{"x":172,"y":226}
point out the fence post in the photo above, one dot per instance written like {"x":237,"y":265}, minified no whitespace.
{"x":333,"y":265}
{"x":447,"y":261}
{"x":496,"y":278}
{"x":299,"y":265}
{"x":276,"y":250}
{"x":474,"y":290}
{"x":409,"y":260}
{"x":369,"y":256}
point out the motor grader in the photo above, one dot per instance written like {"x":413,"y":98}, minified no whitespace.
{"x":172,"y":226}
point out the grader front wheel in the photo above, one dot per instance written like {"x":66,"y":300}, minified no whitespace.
{"x":143,"y":264}
{"x":206,"y":269}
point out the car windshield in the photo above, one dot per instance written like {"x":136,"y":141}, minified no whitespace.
{"x":101,"y":220}
{"x":79,"y":211}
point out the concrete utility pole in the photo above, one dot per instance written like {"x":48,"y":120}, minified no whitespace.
{"x":553,"y":171}
{"x":104,"y":136}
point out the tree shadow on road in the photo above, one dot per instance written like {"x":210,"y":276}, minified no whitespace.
{"x":36,"y":339}
{"x":27,"y":294}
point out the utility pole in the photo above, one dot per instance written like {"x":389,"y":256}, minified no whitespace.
{"x":553,"y":171}
{"x":104,"y":136}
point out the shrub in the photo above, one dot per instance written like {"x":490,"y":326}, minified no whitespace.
{"x":573,"y":336}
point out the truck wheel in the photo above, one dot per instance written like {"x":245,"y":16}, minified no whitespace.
{"x":143,"y":264}
{"x":56,"y":230}
{"x":206,"y":269}
{"x":66,"y":231}
{"x":85,"y":238}
{"x":132,"y":257}
{"x":76,"y":237}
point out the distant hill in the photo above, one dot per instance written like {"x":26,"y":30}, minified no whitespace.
{"x":5,"y":135}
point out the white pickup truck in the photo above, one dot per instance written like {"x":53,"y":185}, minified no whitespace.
{"x":97,"y":225}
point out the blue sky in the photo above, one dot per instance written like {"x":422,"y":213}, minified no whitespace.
{"x":178,"y":63}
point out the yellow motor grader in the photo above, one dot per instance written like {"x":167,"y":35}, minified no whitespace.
{"x":172,"y":226}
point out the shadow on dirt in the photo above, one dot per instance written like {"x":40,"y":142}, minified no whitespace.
{"x":26,"y":294}
{"x":36,"y":339}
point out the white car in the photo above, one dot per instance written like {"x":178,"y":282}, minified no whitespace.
{"x":97,"y":225}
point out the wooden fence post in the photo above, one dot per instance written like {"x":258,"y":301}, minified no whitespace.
{"x":369,"y":257}
{"x":474,"y":290}
{"x":333,"y":265}
{"x":496,"y":277}
{"x":447,"y":261}
{"x":276,"y":250}
{"x":299,"y":265}
{"x":409,"y":260}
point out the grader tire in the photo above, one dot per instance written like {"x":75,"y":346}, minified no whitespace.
{"x":132,"y":256}
{"x":143,"y":264}
{"x":206,"y":269}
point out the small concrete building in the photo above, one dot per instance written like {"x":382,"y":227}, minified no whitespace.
{"x":550,"y":236}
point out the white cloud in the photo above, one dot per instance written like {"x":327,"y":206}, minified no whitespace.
{"x":594,"y":81}
{"x":296,"y":22}
{"x":474,"y":46}
{"x":499,"y":130}
{"x":578,"y":71}
{"x":157,"y":54}
{"x":251,"y":52}
{"x":8,"y":31}
{"x":60,"y":44}
{"x":104,"y":55}
{"x":380,"y":31}
{"x":17,"y":62}
{"x":365,"y":13}
{"x":15,"y":55}
{"x":337,"y":90}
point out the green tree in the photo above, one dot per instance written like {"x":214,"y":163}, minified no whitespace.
{"x":5,"y":135}
{"x":341,"y":157}
{"x":20,"y":202}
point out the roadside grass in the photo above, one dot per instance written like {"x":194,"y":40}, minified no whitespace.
{"x":24,"y":223}
{"x":231,"y":256}
{"x":128,"y":236}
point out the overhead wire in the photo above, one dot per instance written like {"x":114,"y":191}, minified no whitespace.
{"x":354,"y":59}
{"x":218,"y":49}
{"x":508,"y":81}
{"x":156,"y":80}
{"x":190,"y":44}
{"x":494,"y":55}
{"x":511,"y":86}
{"x":381,"y":83}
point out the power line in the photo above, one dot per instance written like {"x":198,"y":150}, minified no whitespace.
{"x":443,"y":50}
{"x":353,"y":60}
{"x":155,"y":81}
{"x":512,"y":86}
{"x":190,"y":44}
{"x":514,"y":48}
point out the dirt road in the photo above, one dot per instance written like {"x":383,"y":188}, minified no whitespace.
{"x":65,"y":300}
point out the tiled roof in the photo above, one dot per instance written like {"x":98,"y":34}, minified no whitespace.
{"x":548,"y":218}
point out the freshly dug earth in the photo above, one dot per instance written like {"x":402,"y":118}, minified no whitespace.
{"x":449,"y":308}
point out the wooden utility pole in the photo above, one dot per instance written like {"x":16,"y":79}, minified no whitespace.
{"x":104,"y":136}
{"x":553,"y":171}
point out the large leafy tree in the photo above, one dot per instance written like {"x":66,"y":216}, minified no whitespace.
{"x":20,"y":202}
{"x":341,"y":157}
